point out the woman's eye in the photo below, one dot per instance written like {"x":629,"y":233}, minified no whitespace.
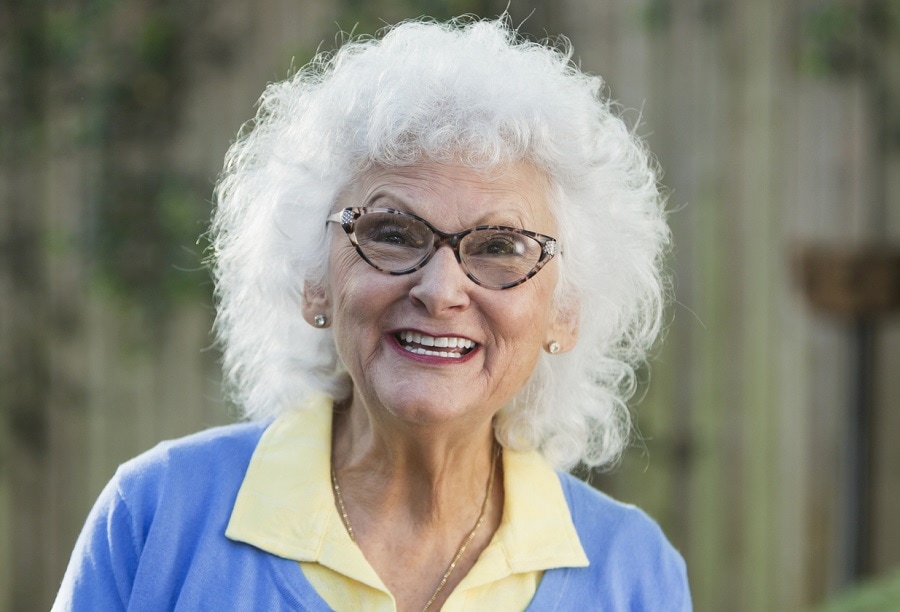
{"x":394,"y":235}
{"x":501,"y":245}
{"x":390,"y":235}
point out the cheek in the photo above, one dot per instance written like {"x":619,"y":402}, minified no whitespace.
{"x":520,"y":343}
{"x":343,"y":260}
{"x":350,"y":278}
{"x":528,"y":315}
{"x":361,"y":299}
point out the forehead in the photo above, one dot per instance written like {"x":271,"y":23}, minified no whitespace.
{"x":458,"y":196}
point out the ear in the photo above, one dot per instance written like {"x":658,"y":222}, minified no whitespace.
{"x":563,"y":328}
{"x":316,"y":301}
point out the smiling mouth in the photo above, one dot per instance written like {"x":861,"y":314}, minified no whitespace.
{"x":452,"y":347}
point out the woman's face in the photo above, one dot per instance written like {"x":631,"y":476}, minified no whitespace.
{"x":375,"y":315}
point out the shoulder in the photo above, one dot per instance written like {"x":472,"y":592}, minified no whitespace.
{"x":629,"y":555}
{"x":195,"y":473}
{"x":162,"y":514}
{"x":600,"y":517}
{"x":219,"y":448}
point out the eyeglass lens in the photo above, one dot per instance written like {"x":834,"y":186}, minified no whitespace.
{"x":397,"y":243}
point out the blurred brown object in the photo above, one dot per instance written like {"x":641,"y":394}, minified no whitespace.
{"x":850,"y":281}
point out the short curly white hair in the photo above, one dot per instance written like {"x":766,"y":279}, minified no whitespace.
{"x":471,"y":90}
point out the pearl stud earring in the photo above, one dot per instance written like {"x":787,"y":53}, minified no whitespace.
{"x":554,"y":347}
{"x":320,"y":320}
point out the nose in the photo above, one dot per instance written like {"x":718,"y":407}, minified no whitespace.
{"x":442,"y":285}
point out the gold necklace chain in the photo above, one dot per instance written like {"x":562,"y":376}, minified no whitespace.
{"x":462,"y":549}
{"x":340,"y":501}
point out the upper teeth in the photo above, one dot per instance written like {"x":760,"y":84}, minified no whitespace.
{"x":440,"y":342}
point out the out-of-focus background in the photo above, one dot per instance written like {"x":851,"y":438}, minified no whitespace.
{"x":770,"y":451}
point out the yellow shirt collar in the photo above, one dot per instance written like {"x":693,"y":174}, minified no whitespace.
{"x":285,"y":506}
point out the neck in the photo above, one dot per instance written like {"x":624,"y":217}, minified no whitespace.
{"x":426,"y":472}
{"x":410,"y":494}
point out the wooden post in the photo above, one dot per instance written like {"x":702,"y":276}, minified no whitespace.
{"x":858,"y":285}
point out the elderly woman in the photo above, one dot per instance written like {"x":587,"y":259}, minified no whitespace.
{"x":437,"y":260}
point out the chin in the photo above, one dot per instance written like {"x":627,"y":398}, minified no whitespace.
{"x":428,"y":410}
{"x":425,"y":413}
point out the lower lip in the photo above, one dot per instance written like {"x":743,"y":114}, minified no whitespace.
{"x":430,"y":359}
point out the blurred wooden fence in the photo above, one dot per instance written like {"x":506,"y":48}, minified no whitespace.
{"x":778,"y":125}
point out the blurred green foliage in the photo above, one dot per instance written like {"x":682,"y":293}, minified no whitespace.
{"x":122,"y":65}
{"x":830,"y":42}
{"x":879,"y":595}
{"x":839,"y":37}
{"x":656,"y":14}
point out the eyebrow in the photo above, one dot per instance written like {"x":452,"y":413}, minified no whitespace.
{"x":393,"y":201}
{"x":381,"y":198}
